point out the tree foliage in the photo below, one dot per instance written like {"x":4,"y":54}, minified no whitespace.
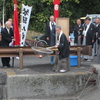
{"x":42,"y":9}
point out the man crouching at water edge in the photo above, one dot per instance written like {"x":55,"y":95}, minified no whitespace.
{"x":62,"y":55}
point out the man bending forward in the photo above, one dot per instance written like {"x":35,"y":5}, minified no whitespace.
{"x":62,"y":57}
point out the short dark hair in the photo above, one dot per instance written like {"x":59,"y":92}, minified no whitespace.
{"x":78,"y":19}
{"x":59,"y":27}
{"x":88,"y":18}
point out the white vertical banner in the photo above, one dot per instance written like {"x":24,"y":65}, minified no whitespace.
{"x":25,"y":17}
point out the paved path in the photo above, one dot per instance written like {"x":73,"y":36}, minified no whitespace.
{"x":34,"y":65}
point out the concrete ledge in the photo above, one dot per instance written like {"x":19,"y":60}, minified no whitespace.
{"x":3,"y":78}
{"x":46,"y":85}
{"x":58,"y":98}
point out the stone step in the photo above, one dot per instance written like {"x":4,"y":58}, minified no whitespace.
{"x":46,"y":85}
{"x":56,"y":98}
{"x":89,"y":91}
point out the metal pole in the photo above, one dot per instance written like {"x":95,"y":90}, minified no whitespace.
{"x":3,"y":12}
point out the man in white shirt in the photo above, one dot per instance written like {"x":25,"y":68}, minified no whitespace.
{"x":7,"y":34}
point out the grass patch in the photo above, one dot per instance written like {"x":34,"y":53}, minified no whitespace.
{"x":30,"y":34}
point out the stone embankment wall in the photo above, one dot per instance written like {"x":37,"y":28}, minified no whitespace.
{"x":39,"y":86}
{"x":3,"y":86}
{"x":46,"y":85}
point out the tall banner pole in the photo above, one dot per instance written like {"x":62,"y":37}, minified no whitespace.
{"x":16,"y":28}
{"x":56,"y":9}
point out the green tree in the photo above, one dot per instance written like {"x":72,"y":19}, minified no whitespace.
{"x":42,"y":9}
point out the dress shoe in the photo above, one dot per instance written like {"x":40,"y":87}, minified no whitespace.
{"x":55,"y":70}
{"x":17,"y":57}
{"x":63,"y":71}
{"x":89,"y":60}
{"x":9,"y":65}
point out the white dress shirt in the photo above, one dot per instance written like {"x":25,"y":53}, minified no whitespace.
{"x":8,"y":30}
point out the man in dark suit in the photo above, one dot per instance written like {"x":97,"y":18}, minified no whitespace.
{"x":97,"y":39}
{"x":50,"y":35}
{"x":98,"y":54}
{"x":97,"y":30}
{"x":62,"y":57}
{"x":78,"y":29}
{"x":89,"y":33}
{"x":7,"y":34}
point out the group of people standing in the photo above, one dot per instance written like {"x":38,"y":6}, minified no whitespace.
{"x":88,"y":33}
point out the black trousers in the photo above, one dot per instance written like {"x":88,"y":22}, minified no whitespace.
{"x":5,"y":61}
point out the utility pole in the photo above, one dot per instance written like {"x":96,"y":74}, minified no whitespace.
{"x":3,"y":12}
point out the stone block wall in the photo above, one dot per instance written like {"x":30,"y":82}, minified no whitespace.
{"x":3,"y":86}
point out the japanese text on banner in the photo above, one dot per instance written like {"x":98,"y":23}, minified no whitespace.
{"x":25,"y":16}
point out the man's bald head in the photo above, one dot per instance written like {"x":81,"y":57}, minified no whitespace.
{"x":8,"y":24}
{"x":52,"y":18}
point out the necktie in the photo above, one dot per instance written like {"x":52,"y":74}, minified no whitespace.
{"x":57,"y":42}
{"x":57,"y":37}
{"x":85,"y":26}
{"x":52,"y":24}
{"x":8,"y":31}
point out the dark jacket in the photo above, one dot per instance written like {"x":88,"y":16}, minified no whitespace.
{"x":1,"y":35}
{"x":70,"y":29}
{"x":63,"y":47}
{"x":51,"y":34}
{"x":90,"y":34}
{"x":97,"y":30}
{"x":78,"y":32}
{"x":6,"y":37}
